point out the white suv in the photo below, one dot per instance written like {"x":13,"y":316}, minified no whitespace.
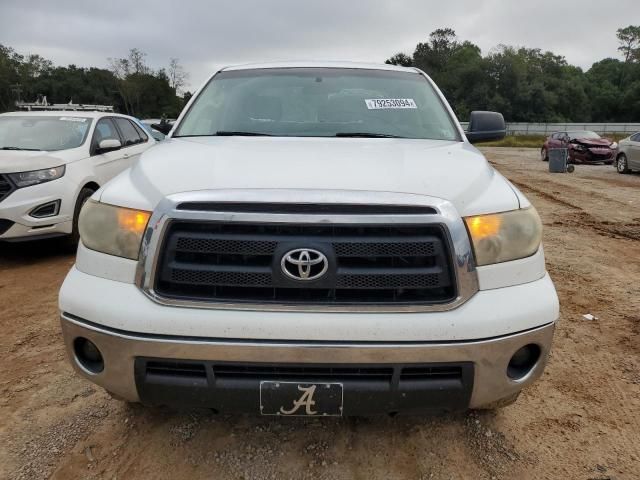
{"x":52,"y":162}
{"x":312,"y":239}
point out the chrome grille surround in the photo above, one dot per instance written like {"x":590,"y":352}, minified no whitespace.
{"x":464,"y":270}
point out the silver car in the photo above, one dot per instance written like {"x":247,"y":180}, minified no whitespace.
{"x":628,"y":157}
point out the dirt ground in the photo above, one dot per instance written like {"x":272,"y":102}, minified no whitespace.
{"x":580,"y":421}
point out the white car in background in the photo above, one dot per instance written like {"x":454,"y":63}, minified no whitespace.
{"x":52,"y":162}
{"x":628,"y":157}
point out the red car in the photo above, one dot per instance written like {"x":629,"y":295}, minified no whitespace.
{"x":584,"y":147}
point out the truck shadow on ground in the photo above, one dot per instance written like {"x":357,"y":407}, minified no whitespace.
{"x":26,"y":253}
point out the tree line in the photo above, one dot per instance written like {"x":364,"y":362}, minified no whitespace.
{"x":129,"y":84}
{"x":529,"y":85}
{"x":525,"y":84}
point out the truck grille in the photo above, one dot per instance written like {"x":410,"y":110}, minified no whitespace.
{"x":6,"y":187}
{"x":235,"y":262}
{"x":306,"y":372}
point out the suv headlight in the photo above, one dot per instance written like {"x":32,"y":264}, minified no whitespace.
{"x":502,"y":237}
{"x":26,"y":179}
{"x":113,"y":230}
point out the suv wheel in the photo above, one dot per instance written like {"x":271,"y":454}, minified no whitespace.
{"x":621,"y":164}
{"x":83,"y":196}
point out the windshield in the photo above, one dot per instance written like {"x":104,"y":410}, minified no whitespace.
{"x":583,"y":134}
{"x":319,"y":102}
{"x":154,"y":133}
{"x":42,"y":133}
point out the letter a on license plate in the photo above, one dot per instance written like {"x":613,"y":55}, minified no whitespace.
{"x":293,"y":399}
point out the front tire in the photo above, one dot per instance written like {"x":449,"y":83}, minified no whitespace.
{"x":544,"y":155}
{"x":83,"y":196}
{"x":621,"y":164}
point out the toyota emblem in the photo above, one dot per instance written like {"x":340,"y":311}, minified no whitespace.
{"x":304,"y":264}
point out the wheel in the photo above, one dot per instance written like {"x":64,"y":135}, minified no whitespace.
{"x":544,"y":155}
{"x":570,"y":168}
{"x":84,"y":195}
{"x":621,"y":164}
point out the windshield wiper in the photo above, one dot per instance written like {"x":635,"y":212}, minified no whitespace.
{"x":20,"y":148}
{"x":366,"y":135}
{"x":231,"y":133}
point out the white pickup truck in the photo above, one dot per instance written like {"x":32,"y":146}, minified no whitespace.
{"x":312,"y":239}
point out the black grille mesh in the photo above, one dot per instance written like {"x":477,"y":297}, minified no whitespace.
{"x":367,"y":264}
{"x":203,"y":277}
{"x":388,"y":281}
{"x":243,"y":247}
{"x":384,"y":249}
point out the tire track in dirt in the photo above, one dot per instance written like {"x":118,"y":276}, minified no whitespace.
{"x":552,"y":198}
{"x":582,"y":219}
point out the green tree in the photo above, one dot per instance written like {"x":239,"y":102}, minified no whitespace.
{"x":629,"y":38}
{"x":400,"y":59}
{"x":143,"y":92}
{"x":433,"y":55}
{"x":9,"y":77}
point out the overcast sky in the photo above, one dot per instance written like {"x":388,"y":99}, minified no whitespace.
{"x":205,"y":34}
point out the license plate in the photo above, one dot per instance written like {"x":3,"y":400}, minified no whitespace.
{"x":294,"y":399}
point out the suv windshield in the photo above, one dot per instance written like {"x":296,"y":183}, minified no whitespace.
{"x":319,"y":102}
{"x":42,"y":133}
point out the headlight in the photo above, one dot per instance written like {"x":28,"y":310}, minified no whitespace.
{"x":113,"y":230}
{"x":26,"y":179}
{"x":614,"y":145}
{"x":505,"y":236}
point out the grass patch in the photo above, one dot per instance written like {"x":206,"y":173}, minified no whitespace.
{"x":534,"y":141}
{"x":522,"y":141}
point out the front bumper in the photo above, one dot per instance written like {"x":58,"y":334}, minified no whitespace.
{"x":125,"y":354}
{"x":15,"y":211}
{"x":590,"y":157}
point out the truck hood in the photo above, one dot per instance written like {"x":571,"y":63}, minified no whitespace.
{"x":453,"y":171}
{"x":12,"y":161}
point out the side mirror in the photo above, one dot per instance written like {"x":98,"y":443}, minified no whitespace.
{"x":163,"y":128}
{"x":484,"y":126}
{"x":108,"y":145}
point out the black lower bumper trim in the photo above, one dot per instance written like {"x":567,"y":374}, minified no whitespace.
{"x":5,"y":225}
{"x":368,"y":389}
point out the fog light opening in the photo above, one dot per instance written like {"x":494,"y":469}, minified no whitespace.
{"x":49,"y":209}
{"x":523,"y":361}
{"x":88,"y":355}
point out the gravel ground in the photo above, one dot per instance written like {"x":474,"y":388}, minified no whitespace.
{"x":580,"y":421}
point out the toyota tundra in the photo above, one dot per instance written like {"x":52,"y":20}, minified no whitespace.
{"x":312,"y":239}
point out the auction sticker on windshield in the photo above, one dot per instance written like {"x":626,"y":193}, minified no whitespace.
{"x":384,"y":103}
